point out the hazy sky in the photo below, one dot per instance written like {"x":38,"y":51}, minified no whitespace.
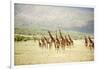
{"x":74,"y":18}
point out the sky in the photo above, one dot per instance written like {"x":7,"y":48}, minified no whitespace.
{"x":54,"y":17}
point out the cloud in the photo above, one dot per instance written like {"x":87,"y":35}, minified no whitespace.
{"x":53,"y":16}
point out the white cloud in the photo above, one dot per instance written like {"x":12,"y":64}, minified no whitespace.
{"x":67,"y":17}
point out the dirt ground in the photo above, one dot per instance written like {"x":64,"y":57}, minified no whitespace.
{"x":28,"y":52}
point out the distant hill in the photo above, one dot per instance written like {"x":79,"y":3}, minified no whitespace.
{"x":36,"y":30}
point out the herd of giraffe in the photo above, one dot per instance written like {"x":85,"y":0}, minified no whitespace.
{"x":57,"y":42}
{"x":61,"y":41}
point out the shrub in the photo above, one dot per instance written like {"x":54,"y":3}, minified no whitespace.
{"x":21,"y":38}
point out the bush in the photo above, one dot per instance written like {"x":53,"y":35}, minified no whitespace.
{"x":21,"y":38}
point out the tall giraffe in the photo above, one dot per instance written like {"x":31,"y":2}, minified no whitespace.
{"x":61,"y":36}
{"x":70,"y":39}
{"x":43,"y":43}
{"x":48,"y":45}
{"x":57,"y":42}
{"x":52,"y":38}
{"x":67,"y":41}
{"x":62,"y":40}
{"x":40,"y":43}
{"x":91,"y":42}
{"x":86,"y":41}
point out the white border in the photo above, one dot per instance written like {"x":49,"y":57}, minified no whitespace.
{"x":53,"y":3}
{"x":12,"y":34}
{"x":12,"y":66}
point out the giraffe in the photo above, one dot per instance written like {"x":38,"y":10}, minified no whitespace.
{"x":91,"y":44}
{"x":67,"y":41}
{"x":48,"y":44}
{"x":52,"y":39}
{"x":43,"y":42}
{"x":62,"y":41}
{"x":86,"y":41}
{"x":70,"y":39}
{"x":57,"y":43}
{"x":40,"y":43}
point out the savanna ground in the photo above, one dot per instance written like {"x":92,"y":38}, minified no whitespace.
{"x":28,"y":52}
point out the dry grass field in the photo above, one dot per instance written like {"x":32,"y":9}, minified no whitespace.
{"x":28,"y":52}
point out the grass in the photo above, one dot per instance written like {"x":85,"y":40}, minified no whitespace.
{"x":28,"y":52}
